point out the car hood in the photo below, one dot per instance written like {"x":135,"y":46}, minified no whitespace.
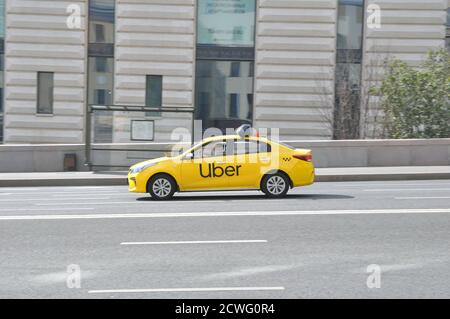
{"x":155,"y":160}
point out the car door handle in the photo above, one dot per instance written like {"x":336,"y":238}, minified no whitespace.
{"x":265,"y":160}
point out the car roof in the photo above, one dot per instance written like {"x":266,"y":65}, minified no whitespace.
{"x":237,"y":137}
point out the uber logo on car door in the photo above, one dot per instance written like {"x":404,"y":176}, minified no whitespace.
{"x":218,"y":171}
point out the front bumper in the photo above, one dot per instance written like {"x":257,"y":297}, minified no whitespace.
{"x":132,"y":183}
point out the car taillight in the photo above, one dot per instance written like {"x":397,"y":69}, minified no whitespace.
{"x":306,"y":158}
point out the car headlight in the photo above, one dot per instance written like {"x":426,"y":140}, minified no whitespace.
{"x":140,"y":168}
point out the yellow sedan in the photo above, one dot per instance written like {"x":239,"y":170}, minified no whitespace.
{"x":230,"y":162}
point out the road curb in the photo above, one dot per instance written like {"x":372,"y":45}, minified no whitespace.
{"x":121,"y":180}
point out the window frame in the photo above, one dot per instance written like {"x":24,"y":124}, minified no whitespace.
{"x":148,"y":92}
{"x":247,"y":150}
{"x":223,"y":108}
{"x":224,"y":43}
{"x":200,"y":147}
{"x":39,"y":107}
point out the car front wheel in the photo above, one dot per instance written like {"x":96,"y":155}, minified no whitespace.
{"x":275,"y":185}
{"x":161,"y":187}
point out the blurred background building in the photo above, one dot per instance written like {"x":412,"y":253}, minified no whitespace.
{"x":289,"y":64}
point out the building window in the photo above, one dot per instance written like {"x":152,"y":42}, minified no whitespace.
{"x":448,"y":29}
{"x":99,"y":33}
{"x":225,"y":58}
{"x":153,"y":91}
{"x":2,"y":65}
{"x":234,"y":105}
{"x":202,"y":104}
{"x":1,"y":115}
{"x":219,"y":101}
{"x":100,"y":80}
{"x":101,"y":21}
{"x":226,"y":23}
{"x":349,"y":33}
{"x":101,"y":65}
{"x":45,"y":93}
{"x":101,"y":97}
{"x":251,"y":70}
{"x":348,"y":69}
{"x":235,"y":69}
{"x":448,"y":18}
{"x":2,"y":52}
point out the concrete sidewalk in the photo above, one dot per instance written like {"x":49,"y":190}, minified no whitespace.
{"x":322,"y":175}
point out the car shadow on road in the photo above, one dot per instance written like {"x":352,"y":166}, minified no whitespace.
{"x":226,"y":198}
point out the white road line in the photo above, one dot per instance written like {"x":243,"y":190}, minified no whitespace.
{"x":209,"y":289}
{"x":102,"y":203}
{"x":429,"y":197}
{"x":406,"y":189}
{"x":383,"y":183}
{"x":40,"y":209}
{"x":30,"y":190}
{"x":133,"y":201}
{"x":9,"y":189}
{"x":224,"y":214}
{"x":68,"y":194}
{"x":194,"y":242}
{"x":52,"y":199}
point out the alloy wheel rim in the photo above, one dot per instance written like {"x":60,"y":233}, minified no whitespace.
{"x":276,"y":185}
{"x":162,"y":187}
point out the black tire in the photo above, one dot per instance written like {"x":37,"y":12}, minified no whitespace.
{"x":275,"y":185}
{"x":161,"y":187}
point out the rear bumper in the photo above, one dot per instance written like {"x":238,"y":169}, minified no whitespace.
{"x":303,"y":176}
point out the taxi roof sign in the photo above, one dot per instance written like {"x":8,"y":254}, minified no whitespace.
{"x":246,"y":130}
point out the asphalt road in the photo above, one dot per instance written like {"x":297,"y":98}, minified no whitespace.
{"x":316,"y":243}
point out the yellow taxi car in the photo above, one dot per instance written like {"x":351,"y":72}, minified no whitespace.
{"x":229,"y":162}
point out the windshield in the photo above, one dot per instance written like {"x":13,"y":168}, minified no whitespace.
{"x":191,"y":149}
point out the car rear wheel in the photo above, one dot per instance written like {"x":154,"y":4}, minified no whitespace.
{"x":275,"y":185}
{"x":161,"y":187}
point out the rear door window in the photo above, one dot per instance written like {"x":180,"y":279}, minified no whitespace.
{"x":250,"y":147}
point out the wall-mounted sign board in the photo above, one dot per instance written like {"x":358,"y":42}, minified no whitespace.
{"x":142,"y":130}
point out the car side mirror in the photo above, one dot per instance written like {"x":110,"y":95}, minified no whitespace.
{"x":189,"y":156}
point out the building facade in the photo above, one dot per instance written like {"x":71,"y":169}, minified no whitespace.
{"x":272,"y":63}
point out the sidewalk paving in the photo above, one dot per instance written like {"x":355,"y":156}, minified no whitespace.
{"x":322,"y":175}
